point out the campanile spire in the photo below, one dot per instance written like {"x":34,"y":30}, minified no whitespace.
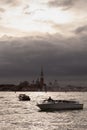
{"x":41,"y":78}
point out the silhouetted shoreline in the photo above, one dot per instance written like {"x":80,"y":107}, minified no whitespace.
{"x":21,"y":87}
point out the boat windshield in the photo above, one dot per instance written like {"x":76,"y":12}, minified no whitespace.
{"x":48,"y":100}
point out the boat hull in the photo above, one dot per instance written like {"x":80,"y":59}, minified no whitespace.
{"x":60,"y":106}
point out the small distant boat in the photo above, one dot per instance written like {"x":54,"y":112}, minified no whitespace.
{"x":55,"y":105}
{"x":23,"y":97}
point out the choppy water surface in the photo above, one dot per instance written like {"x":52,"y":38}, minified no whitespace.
{"x":19,"y":115}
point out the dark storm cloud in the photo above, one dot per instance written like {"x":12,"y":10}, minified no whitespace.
{"x":81,"y":29}
{"x":61,"y":3}
{"x":23,"y":57}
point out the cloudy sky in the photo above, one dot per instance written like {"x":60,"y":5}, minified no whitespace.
{"x":51,"y":33}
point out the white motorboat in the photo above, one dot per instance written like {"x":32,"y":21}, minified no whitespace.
{"x":55,"y":105}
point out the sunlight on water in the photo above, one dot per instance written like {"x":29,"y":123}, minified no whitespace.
{"x":19,"y":115}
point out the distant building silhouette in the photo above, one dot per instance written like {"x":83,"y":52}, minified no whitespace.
{"x":41,"y":79}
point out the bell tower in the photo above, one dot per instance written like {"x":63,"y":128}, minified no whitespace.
{"x":41,"y":78}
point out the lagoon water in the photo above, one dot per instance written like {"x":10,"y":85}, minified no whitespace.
{"x":19,"y":115}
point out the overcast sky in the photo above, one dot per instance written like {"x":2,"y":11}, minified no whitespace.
{"x":51,"y":33}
